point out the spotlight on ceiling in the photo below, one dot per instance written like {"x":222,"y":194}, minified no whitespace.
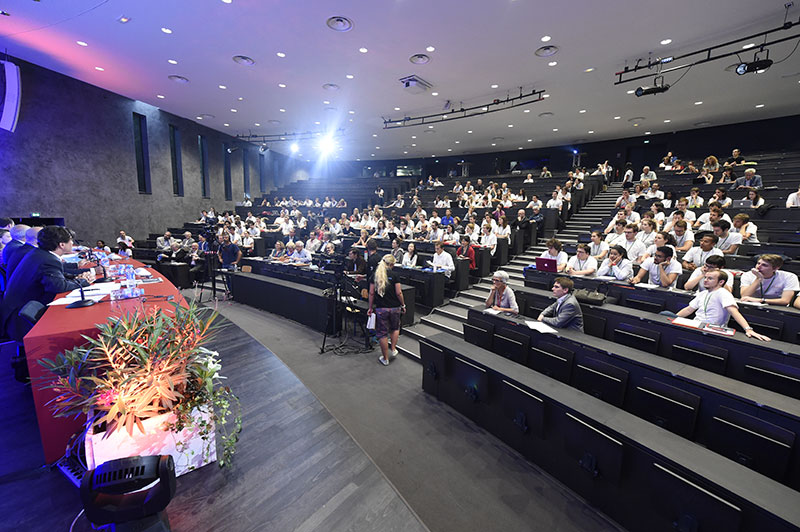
{"x":326,"y":145}
{"x":294,"y":147}
{"x":233,"y":149}
{"x":263,"y":148}
{"x":755,"y":66}
{"x":658,"y":87}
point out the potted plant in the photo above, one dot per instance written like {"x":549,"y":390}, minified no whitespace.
{"x":148,"y":386}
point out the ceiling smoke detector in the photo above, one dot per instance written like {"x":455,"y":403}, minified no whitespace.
{"x":243,"y":60}
{"x":339,"y":23}
{"x":546,"y":114}
{"x":546,"y":51}
{"x":420,"y":59}
{"x":178,"y":79}
{"x":331,"y":87}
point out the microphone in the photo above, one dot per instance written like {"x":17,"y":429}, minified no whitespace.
{"x":82,"y":302}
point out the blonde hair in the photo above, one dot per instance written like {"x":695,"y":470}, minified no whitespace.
{"x":381,"y":276}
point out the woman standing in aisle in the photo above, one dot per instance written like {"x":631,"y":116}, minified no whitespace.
{"x":386,"y":300}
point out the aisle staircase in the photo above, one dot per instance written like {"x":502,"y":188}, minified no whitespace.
{"x":450,"y":317}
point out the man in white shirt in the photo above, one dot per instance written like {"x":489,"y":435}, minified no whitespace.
{"x":582,"y":263}
{"x":554,"y":251}
{"x":684,"y":238}
{"x":683,"y":206}
{"x":633,"y":246}
{"x":648,"y":174}
{"x":528,"y":178}
{"x":554,"y":202}
{"x":435,"y":234}
{"x":300,"y":255}
{"x":663,"y":268}
{"x":285,"y":225}
{"x":767,"y":283}
{"x":794,"y":199}
{"x":696,"y":257}
{"x":714,"y":262}
{"x":654,"y":193}
{"x":442,"y":261}
{"x":625,"y":199}
{"x":727,"y":242}
{"x":715,"y":305}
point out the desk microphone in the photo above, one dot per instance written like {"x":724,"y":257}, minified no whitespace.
{"x":106,"y":278}
{"x":82,"y":302}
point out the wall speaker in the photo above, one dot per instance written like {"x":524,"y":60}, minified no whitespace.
{"x":10,"y":95}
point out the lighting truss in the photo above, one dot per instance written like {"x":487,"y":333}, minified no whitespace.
{"x":494,"y":106}
{"x":704,"y":55}
{"x":287,"y":137}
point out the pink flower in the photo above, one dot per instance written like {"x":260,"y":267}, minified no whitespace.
{"x":107,"y":398}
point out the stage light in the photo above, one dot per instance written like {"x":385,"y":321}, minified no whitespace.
{"x":326,"y":145}
{"x":658,"y":87}
{"x":263,"y":148}
{"x":294,"y":147}
{"x":755,"y":66}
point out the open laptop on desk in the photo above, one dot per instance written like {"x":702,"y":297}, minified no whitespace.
{"x":741,"y":204}
{"x":546,"y":265}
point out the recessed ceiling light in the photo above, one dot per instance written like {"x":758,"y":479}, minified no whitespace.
{"x":484,"y":108}
{"x":282,"y":85}
{"x":227,"y":1}
{"x":552,"y":63}
{"x":349,"y":76}
{"x":458,"y":142}
{"x":582,"y":111}
{"x":326,"y":102}
{"x":372,"y":155}
{"x":636,"y":125}
{"x":546,"y":38}
{"x":374,"y":134}
{"x":166,"y":30}
{"x":530,"y":140}
{"x":430,"y":49}
{"x":101,"y":69}
{"x":449,"y":149}
{"x":377,"y":147}
{"x":172,"y":62}
{"x":666,"y":42}
{"x":434,"y":94}
{"x":748,"y":46}
{"x":546,"y":51}
{"x":420,"y":59}
{"x":243,"y":60}
{"x":647,"y":142}
{"x":199,"y":117}
{"x":316,"y":123}
{"x":510,"y":125}
{"x":630,"y":91}
{"x":646,"y":132}
{"x":396,"y":108}
{"x":223,"y":87}
{"x":590,"y":69}
{"x":469,"y":131}
{"x":160,"y":96}
{"x":555,"y":129}
{"x":526,"y":111}
{"x":617,"y":117}
{"x":494,"y":85}
{"x":698,"y":103}
{"x":414,"y":136}
{"x":759,"y":106}
{"x":178,"y":79}
{"x":414,"y":145}
{"x":493,"y":144}
{"x":546,"y":96}
{"x":282,"y":110}
{"x":240,"y":98}
{"x":591,"y":131}
{"x":405,"y":152}
{"x":234,"y":111}
{"x":667,"y":121}
{"x":81,"y":43}
{"x":123,"y":19}
{"x":519,"y":148}
{"x":257,"y":124}
{"x":430,"y":127}
{"x":444,"y":117}
{"x":280,"y":54}
{"x":351,"y":112}
{"x":363,"y":50}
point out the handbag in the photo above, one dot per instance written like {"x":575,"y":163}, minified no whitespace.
{"x":590,"y":297}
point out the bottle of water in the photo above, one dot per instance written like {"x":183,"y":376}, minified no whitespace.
{"x":106,"y":264}
{"x":130,"y":277}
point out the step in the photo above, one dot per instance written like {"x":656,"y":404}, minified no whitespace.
{"x":451,"y":311}
{"x":420,"y":330}
{"x":409,"y":347}
{"x":473,"y":295}
{"x":444,"y":323}
{"x":467,"y":302}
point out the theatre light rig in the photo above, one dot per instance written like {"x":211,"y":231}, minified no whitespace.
{"x":756,"y":65}
{"x":524,"y":98}
{"x":658,"y":87}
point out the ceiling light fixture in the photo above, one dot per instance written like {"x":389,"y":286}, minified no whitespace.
{"x":590,"y":69}
{"x":666,"y":42}
{"x":759,"y":106}
{"x":227,"y":125}
{"x":123,"y":19}
{"x":160,"y":96}
{"x":698,"y":103}
{"x":349,"y":76}
{"x":81,"y":43}
{"x":617,"y":117}
{"x":280,"y":54}
{"x":591,"y":132}
{"x":282,"y":110}
{"x":172,"y":62}
{"x":294,"y":147}
{"x":339,"y":23}
{"x":257,"y":124}
{"x":430,"y":49}
{"x":243,"y":60}
{"x":526,"y":111}
{"x":494,"y":85}
{"x":178,"y":79}
{"x":234,"y":111}
{"x":546,"y":38}
{"x":363,"y":50}
{"x":434,"y":94}
{"x":166,"y":30}
{"x":101,"y":69}
{"x":582,"y":111}
{"x":396,"y":108}
{"x":223,"y":87}
{"x":748,"y":46}
{"x":667,"y":121}
{"x":282,"y":85}
{"x":351,"y":112}
{"x":552,"y":63}
{"x":555,"y":129}
{"x":420,"y":59}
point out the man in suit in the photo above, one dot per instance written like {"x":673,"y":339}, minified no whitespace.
{"x":40,"y":276}
{"x":31,"y":242}
{"x":17,"y":241}
{"x":566,"y":312}
{"x":164,"y":243}
{"x":750,"y":180}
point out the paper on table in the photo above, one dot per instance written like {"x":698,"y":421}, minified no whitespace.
{"x":491,"y":311}
{"x":541,"y":327}
{"x":605,"y":278}
{"x":695,"y":324}
{"x":143,"y":272}
{"x":100,"y":288}
{"x":752,"y":303}
{"x":67,"y":300}
{"x":647,"y":285}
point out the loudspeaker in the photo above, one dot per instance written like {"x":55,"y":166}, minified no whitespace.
{"x":10,"y":95}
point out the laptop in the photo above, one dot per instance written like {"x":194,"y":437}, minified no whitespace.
{"x":740,"y":204}
{"x":546,"y":265}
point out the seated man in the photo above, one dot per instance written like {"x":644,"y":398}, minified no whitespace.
{"x":735,"y":158}
{"x":442,"y":261}
{"x":197,"y":264}
{"x":684,"y":238}
{"x":175,"y":254}
{"x":582,"y":263}
{"x":301,"y":254}
{"x":566,"y":312}
{"x":794,"y":199}
{"x":696,"y":257}
{"x":662,"y":267}
{"x":355,"y":263}
{"x":750,"y":180}
{"x":164,"y":243}
{"x":715,"y":305}
{"x":728,"y":243}
{"x":554,"y":251}
{"x":767,"y":283}
{"x":501,"y":297}
{"x":714,"y":262}
{"x":634,"y":247}
{"x":187,"y":241}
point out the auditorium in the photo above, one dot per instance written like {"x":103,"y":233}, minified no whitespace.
{"x":400,"y":266}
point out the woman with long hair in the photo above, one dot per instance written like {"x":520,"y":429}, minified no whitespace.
{"x":755,"y":199}
{"x":279,"y":252}
{"x":410,"y":256}
{"x":386,"y":300}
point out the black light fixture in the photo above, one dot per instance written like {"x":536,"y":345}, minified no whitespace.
{"x":754,"y":66}
{"x":263,"y":148}
{"x":233,"y":149}
{"x":658,"y":87}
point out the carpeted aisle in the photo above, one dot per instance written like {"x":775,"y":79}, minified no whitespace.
{"x":454,"y":475}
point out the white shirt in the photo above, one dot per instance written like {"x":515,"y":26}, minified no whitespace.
{"x":621,"y":271}
{"x":621,"y":201}
{"x":712,"y":307}
{"x":793,"y":200}
{"x":651,"y":249}
{"x":759,"y":203}
{"x":409,"y":261}
{"x":443,"y":261}
{"x":560,"y":259}
{"x":655,"y":271}
{"x":681,"y":240}
{"x":597,"y":249}
{"x":612,"y":239}
{"x":733,"y":238}
{"x":695,"y":201}
{"x":554,"y":204}
{"x":698,"y":257}
{"x":751,"y":228}
{"x":687,"y":215}
{"x":589,"y":264}
{"x":646,"y":239}
{"x":502,"y":231}
{"x":773,"y":287}
{"x":534,"y":203}
{"x":634,"y":249}
{"x":654,"y":194}
{"x":489,"y":241}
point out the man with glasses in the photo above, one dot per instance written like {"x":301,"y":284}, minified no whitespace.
{"x":663,"y":269}
{"x":633,"y":246}
{"x":715,"y":305}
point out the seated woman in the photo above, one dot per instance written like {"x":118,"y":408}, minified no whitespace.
{"x":582,"y":263}
{"x":647,"y":234}
{"x":501,"y":297}
{"x":488,"y":239}
{"x":662,"y":238}
{"x":711,"y":164}
{"x":598,"y":249}
{"x":755,"y":198}
{"x":410,"y":256}
{"x":616,"y":265}
{"x":287,"y":256}
{"x":465,"y":250}
{"x":450,"y":235}
{"x":380,"y":230}
{"x":362,"y":240}
{"x":706,"y":176}
{"x":503,"y":230}
{"x":689,"y":169}
{"x":695,"y":200}
{"x":721,"y":198}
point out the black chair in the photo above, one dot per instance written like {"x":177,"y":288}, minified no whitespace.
{"x":17,"y":328}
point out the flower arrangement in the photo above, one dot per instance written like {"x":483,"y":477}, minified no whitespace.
{"x":143,"y":365}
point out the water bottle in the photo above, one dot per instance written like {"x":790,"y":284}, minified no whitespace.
{"x":130,"y":277}
{"x":105,"y":263}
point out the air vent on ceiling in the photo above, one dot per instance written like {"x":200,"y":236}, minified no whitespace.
{"x":420,"y":59}
{"x":415,"y":84}
{"x":178,"y":79}
{"x":331,"y":87}
{"x":546,"y":51}
{"x":339,"y":23}
{"x":546,"y":114}
{"x":244,"y":60}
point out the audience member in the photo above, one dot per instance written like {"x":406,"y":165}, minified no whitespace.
{"x":126,"y":239}
{"x":616,"y":265}
{"x":696,"y":256}
{"x":17,"y":241}
{"x":554,"y":252}
{"x":750,"y":180}
{"x":714,"y":262}
{"x":794,"y":199}
{"x":727,"y":242}
{"x":662,"y":268}
{"x":598,"y":249}
{"x":501,"y":297}
{"x":442,"y":260}
{"x":684,"y":238}
{"x":648,"y":174}
{"x":735,"y":158}
{"x":746,"y":228}
{"x":768,"y":284}
{"x":229,"y":253}
{"x":566,"y":312}
{"x":633,"y":246}
{"x":16,"y":256}
{"x":386,"y":301}
{"x":583,"y":263}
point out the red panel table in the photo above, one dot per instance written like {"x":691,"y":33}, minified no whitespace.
{"x":60,"y":329}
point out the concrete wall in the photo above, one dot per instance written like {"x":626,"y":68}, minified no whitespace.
{"x":73,"y":156}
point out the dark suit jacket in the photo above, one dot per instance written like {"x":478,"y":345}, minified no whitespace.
{"x":15,"y":257}
{"x":569,"y":316}
{"x":10,"y":248}
{"x":39,"y":276}
{"x":756,"y":182}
